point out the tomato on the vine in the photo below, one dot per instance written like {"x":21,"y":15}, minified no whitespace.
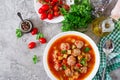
{"x":60,"y":2}
{"x":52,"y":3}
{"x":51,"y":8}
{"x":40,"y":10}
{"x":66,"y":7}
{"x":34,"y":31}
{"x":55,"y":1}
{"x":50,"y":16}
{"x":43,"y":16}
{"x":31,"y":45}
{"x":45,"y":7}
{"x":50,"y":11}
{"x":47,"y":0}
{"x":42,"y":40}
{"x":55,"y":8}
{"x":56,"y":13}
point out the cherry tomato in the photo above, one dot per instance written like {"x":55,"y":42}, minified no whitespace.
{"x":47,"y":0}
{"x":55,"y":1}
{"x":34,"y":31}
{"x":50,"y":16}
{"x":42,"y":40}
{"x":45,"y":7}
{"x":61,"y":2}
{"x":40,"y":11}
{"x":31,"y":45}
{"x":55,"y":8}
{"x":50,"y":11}
{"x":52,"y":3}
{"x":43,"y":16}
{"x":56,"y":13}
{"x":66,"y":7}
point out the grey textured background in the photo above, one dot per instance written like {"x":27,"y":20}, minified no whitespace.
{"x":15,"y":58}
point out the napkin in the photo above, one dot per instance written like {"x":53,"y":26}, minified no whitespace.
{"x":114,"y":57}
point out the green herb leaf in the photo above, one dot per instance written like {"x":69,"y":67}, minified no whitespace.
{"x":64,"y":67}
{"x":83,"y":62}
{"x":64,"y":12}
{"x":18,"y":33}
{"x":39,"y":35}
{"x":79,"y":16}
{"x":87,"y":49}
{"x":77,"y":1}
{"x":35,"y":59}
{"x":64,"y":51}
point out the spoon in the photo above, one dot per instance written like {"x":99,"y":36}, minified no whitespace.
{"x":19,"y":15}
{"x":108,"y":47}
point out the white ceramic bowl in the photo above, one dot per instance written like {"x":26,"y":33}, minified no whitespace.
{"x":97,"y":56}
{"x":58,"y":19}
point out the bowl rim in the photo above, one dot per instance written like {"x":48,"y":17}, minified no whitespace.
{"x":97,"y":55}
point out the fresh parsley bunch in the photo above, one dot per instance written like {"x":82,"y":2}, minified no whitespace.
{"x":79,"y":16}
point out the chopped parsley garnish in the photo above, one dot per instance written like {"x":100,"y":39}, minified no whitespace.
{"x":87,"y":49}
{"x":64,"y":67}
{"x":83,"y":62}
{"x":64,"y":51}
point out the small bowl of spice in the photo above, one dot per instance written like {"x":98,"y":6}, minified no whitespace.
{"x":26,"y":26}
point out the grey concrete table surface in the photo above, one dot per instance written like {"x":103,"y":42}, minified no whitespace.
{"x":15,"y":57}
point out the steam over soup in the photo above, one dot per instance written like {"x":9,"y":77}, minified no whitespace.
{"x":71,"y":58}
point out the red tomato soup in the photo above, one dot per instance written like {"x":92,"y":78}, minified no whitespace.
{"x":71,"y":58}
